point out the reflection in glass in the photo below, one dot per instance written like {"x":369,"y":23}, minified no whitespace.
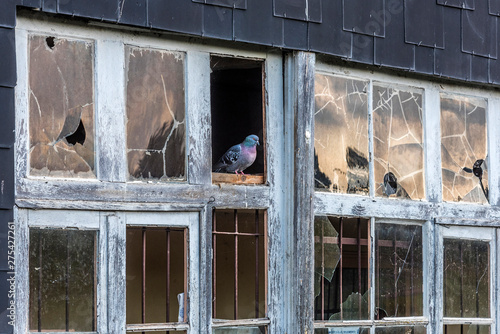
{"x":466,"y":329}
{"x":398,"y":137}
{"x":341,"y":135}
{"x":62,"y":280}
{"x":401,"y":330}
{"x":164,"y":270}
{"x":341,"y":268}
{"x":61,"y":107}
{"x":464,"y":149}
{"x":156,"y":142}
{"x":398,"y":270}
{"x":466,"y":279}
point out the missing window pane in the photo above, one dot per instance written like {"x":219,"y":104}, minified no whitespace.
{"x":239,"y":264}
{"x":237,"y":107}
{"x":341,"y":268}
{"x":156,"y":131}
{"x":398,"y":142}
{"x":156,"y":275}
{"x":341,"y":135}
{"x":62,"y":280}
{"x":61,"y":107}
{"x":464,"y":149}
{"x":466,"y":279}
{"x":398,"y":271}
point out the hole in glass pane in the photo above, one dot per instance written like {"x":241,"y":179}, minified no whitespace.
{"x":398,"y":271}
{"x":398,"y":142}
{"x":156,"y":143}
{"x":156,"y":275}
{"x":239,"y":290}
{"x":62,"y":280}
{"x":341,"y":268}
{"x":466,"y":279}
{"x":61,"y":108}
{"x":464,"y":149}
{"x":237,"y":112}
{"x":341,"y":135}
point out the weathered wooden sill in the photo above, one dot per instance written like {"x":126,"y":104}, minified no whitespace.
{"x":171,"y":326}
{"x":237,"y":179}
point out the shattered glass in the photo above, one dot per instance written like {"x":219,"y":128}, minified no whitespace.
{"x":466,"y":279}
{"x":341,"y":135}
{"x":464,"y":149}
{"x":156,"y":131}
{"x":61,"y":107}
{"x":398,"y":142}
{"x":62,"y":280}
{"x":398,"y":271}
{"x":341,"y":268}
{"x":401,"y":330}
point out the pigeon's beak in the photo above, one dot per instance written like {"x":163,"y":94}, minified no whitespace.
{"x":258,"y":142}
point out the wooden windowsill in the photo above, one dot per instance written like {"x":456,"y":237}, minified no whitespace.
{"x":237,"y":179}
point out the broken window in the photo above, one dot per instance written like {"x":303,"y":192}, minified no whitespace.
{"x":61,"y":107}
{"x":239,"y":271}
{"x":398,"y":142}
{"x":341,"y":268}
{"x":62,"y":276}
{"x":464,"y":149}
{"x":156,"y":129}
{"x":341,"y":135}
{"x":398,"y":271}
{"x":156,"y":278}
{"x":466,"y":288}
{"x":237,"y":106}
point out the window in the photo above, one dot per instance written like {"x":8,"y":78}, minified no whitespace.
{"x":239,"y":271}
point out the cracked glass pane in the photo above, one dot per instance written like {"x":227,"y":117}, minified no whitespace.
{"x":401,"y":330}
{"x":398,"y":142}
{"x":466,"y":279}
{"x":464,"y":149}
{"x":466,"y":329}
{"x":62,"y":280}
{"x":156,"y":130}
{"x":341,"y":135}
{"x":398,"y":271}
{"x":61,"y":107}
{"x":341,"y":268}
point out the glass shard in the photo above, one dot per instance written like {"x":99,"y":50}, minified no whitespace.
{"x":398,"y":142}
{"x":156,"y":131}
{"x":464,"y":149}
{"x":326,"y":251}
{"x":398,"y":271}
{"x":341,"y":135}
{"x":466,"y":279}
{"x":61,"y":107}
{"x":62,"y":280}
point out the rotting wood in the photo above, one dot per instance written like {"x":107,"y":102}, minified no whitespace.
{"x":217,"y":323}
{"x":156,"y":327}
{"x":237,"y":178}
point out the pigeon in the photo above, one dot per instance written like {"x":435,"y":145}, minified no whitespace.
{"x":238,"y":157}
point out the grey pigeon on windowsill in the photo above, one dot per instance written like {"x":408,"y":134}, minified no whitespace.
{"x":238,"y":157}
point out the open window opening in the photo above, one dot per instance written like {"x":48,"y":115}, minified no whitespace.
{"x":238,"y":109}
{"x":63,"y":280}
{"x":341,"y":284}
{"x":157,"y":280}
{"x":239,"y":271}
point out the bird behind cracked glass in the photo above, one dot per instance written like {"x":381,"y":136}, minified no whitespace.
{"x":238,"y":157}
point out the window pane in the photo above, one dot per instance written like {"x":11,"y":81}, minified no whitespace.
{"x":464,"y":149}
{"x":401,"y":330}
{"x":398,"y":142}
{"x":341,"y":135}
{"x":398,"y":271}
{"x":61,"y":107}
{"x":156,"y":275}
{"x":62,"y":280}
{"x":466,"y":329}
{"x":240,"y":330}
{"x":341,"y":268}
{"x":239,"y":290}
{"x":466,"y":279}
{"x":156,"y":130}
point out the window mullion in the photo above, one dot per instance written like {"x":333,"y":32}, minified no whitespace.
{"x":493,"y":161}
{"x":432,"y":145}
